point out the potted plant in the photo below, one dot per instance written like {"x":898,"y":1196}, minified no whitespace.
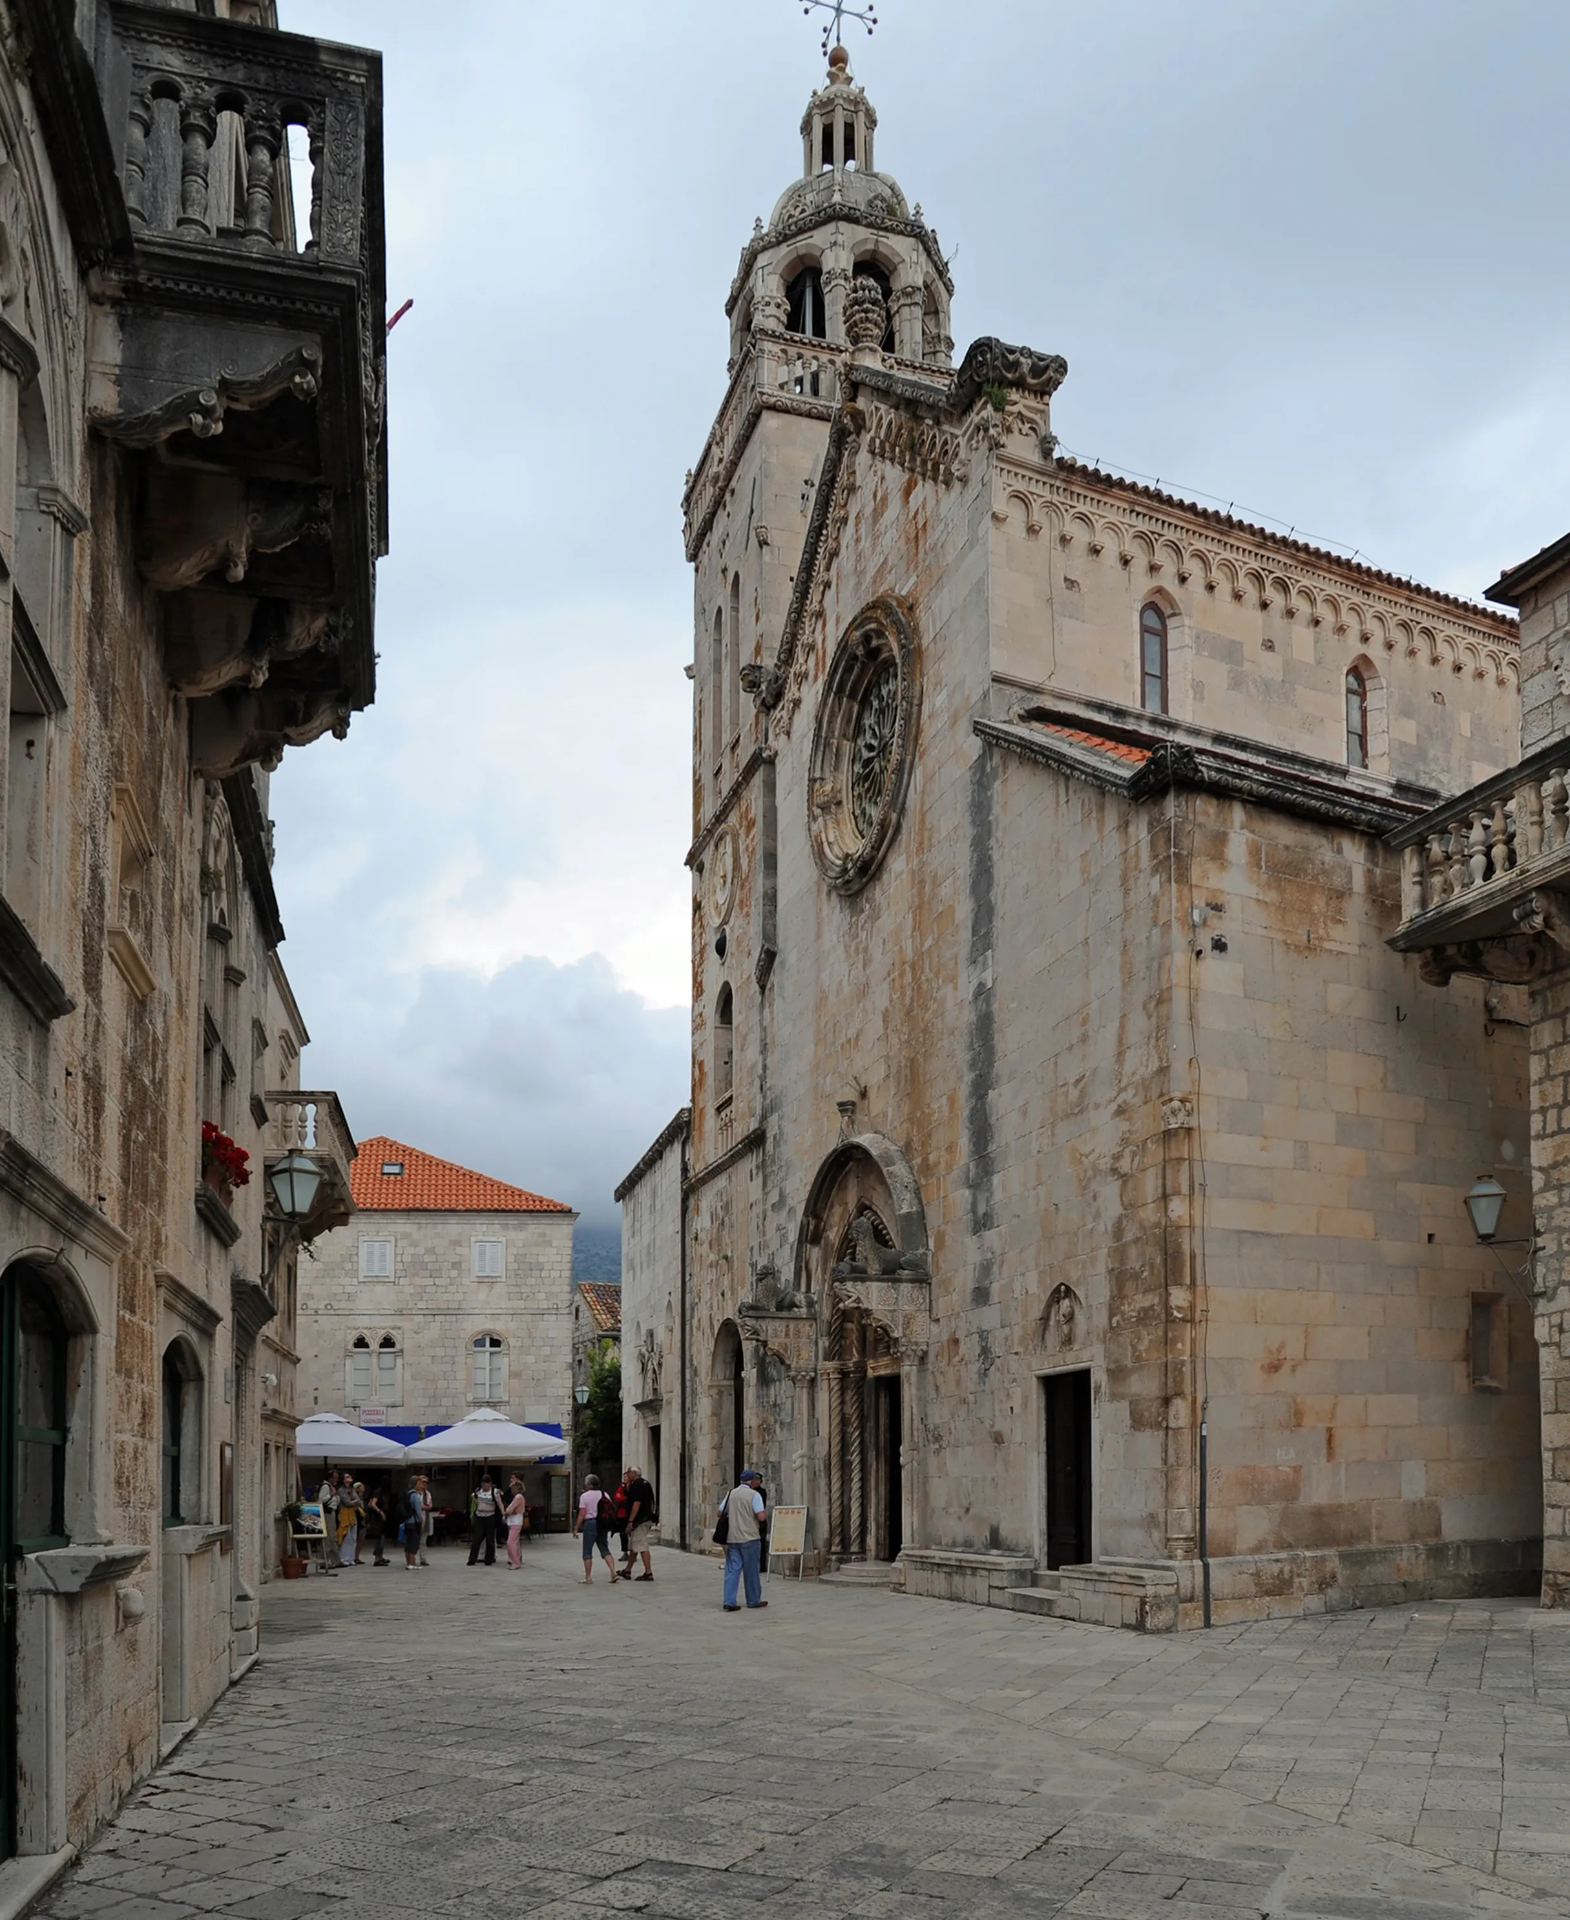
{"x":292,"y":1562}
{"x":224,"y":1165}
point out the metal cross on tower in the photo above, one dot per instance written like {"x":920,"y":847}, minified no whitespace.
{"x":839,"y":12}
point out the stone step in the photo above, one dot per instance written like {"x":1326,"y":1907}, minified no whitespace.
{"x":1047,"y":1582}
{"x":1040,"y":1600}
{"x":863,"y":1573}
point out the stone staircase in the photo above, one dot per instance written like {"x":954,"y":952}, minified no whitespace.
{"x":865,"y":1573}
{"x":1104,"y":1593}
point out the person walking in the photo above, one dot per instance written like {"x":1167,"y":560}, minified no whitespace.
{"x":595,"y":1513}
{"x":422,"y":1486}
{"x":513,"y":1513}
{"x":410,"y":1526}
{"x":619,"y":1509}
{"x":641,"y":1519}
{"x":376,"y":1524}
{"x":484,"y":1509}
{"x":744,"y":1511}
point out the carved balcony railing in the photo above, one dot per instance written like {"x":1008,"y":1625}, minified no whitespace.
{"x":1484,"y":877}
{"x":314,"y":1123}
{"x":244,"y":370}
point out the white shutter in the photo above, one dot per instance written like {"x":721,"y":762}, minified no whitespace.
{"x":376,"y":1259}
{"x":487,"y":1259}
{"x":387,"y":1377}
{"x":359,"y":1375}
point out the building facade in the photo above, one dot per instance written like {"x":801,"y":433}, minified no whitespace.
{"x":1486,"y":899}
{"x":1074,"y":1201}
{"x":653,"y":1296}
{"x":192,"y":480}
{"x":446,"y":1292}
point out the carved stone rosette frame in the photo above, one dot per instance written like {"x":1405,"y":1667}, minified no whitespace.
{"x":883,"y":633}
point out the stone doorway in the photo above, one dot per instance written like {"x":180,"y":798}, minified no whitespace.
{"x":888,"y":1493}
{"x":1068,"y":1467}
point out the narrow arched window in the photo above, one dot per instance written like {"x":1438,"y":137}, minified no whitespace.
{"x":733,"y":664}
{"x":1153,"y":659}
{"x":804,"y":312}
{"x":724,"y":1044}
{"x":389,"y":1371}
{"x":1356,"y":718}
{"x":717,"y":688}
{"x":182,"y":1436}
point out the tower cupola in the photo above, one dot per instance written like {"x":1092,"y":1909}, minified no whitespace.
{"x":840,"y":221}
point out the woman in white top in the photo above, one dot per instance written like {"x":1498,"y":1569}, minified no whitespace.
{"x":513,"y":1513}
{"x":596,"y":1512}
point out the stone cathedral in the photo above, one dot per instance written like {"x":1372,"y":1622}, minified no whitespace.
{"x":1069,"y":1211}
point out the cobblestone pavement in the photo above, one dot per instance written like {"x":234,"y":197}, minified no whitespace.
{"x":476,"y":1744}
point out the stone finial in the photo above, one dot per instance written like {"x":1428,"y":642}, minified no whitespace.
{"x":866,"y":313}
{"x":839,"y":67}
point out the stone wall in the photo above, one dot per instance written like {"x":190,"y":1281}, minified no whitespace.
{"x":1551,"y":1189}
{"x":651,"y":1347}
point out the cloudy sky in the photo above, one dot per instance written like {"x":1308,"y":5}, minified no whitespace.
{"x":1307,"y":258}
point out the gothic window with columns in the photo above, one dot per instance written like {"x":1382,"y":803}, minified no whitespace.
{"x":1356,"y":718}
{"x":1153,"y":690}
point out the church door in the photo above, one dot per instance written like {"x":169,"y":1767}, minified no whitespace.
{"x":1068,"y":1467}
{"x":890,"y":1491}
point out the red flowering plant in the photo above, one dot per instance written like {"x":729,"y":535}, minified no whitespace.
{"x":222,"y":1160}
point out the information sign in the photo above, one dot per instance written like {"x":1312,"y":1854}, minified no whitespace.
{"x":788,"y":1530}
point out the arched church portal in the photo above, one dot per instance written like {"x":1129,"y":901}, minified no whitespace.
{"x":728,"y":1386}
{"x":863,"y":1254}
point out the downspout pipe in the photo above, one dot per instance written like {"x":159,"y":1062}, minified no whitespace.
{"x":682,"y":1475}
{"x":1204,"y":1504}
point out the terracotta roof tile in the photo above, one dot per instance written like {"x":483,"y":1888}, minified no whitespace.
{"x":603,"y":1299}
{"x":429,"y":1185}
{"x":1136,"y":756}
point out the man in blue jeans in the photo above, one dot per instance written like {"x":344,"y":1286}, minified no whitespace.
{"x":743,"y":1507}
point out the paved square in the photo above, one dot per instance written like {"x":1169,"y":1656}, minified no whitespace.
{"x":482,"y":1743}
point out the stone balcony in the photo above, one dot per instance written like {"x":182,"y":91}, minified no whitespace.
{"x":1485,"y":878}
{"x":240,"y":364}
{"x":314,"y":1123}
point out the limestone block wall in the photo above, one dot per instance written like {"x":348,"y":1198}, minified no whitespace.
{"x":1551,"y":1189}
{"x":434,"y":1308}
{"x":1545,"y":663}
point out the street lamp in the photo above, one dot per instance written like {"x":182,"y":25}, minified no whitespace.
{"x":1485,"y":1202}
{"x":581,"y":1395}
{"x":294,"y":1180}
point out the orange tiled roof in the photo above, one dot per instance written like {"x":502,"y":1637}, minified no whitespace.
{"x":603,"y":1299}
{"x":431,"y":1185}
{"x":1137,"y":756}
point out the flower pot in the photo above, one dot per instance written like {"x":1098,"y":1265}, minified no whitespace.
{"x":293,"y":1566}
{"x":213,"y":1177}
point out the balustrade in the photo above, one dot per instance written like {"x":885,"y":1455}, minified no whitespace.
{"x":206,"y":155}
{"x":1485,"y":837}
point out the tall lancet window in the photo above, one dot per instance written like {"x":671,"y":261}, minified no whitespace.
{"x":1356,"y":718}
{"x":804,"y":304}
{"x":1153,"y":659}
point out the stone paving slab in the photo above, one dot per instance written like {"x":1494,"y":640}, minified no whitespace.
{"x":468,"y":1744}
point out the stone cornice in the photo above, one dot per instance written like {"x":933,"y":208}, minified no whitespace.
{"x":250,"y":835}
{"x":748,"y":1143}
{"x":727,"y":804}
{"x":30,"y":1181}
{"x":188,"y":1303}
{"x":678,"y":1127}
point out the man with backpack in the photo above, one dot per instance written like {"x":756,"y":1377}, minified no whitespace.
{"x":639,"y":1533}
{"x":740,"y":1529}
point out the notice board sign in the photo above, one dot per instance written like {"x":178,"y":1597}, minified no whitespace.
{"x":788,"y":1530}
{"x":373,"y":1416}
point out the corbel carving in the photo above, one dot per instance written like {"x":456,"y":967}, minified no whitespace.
{"x":245,"y":727}
{"x":217,"y":640}
{"x":200,"y":410}
{"x":1546,"y":911}
{"x":1526,"y":957}
{"x":195,"y":523}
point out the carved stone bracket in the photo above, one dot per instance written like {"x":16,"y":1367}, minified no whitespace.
{"x":200,"y":410}
{"x":903,"y":1305}
{"x":1517,"y":960}
{"x":1546,"y":911}
{"x":791,"y":1338}
{"x":238,"y":727}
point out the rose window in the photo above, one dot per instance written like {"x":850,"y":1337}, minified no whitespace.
{"x":872,"y":750}
{"x":862,"y":744}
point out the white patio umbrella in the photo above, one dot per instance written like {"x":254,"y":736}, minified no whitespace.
{"x":330,"y":1438}
{"x":487,"y":1436}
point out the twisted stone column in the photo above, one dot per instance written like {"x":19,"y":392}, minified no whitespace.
{"x":855,"y":1439}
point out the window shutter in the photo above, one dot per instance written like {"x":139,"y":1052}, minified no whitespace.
{"x":487,"y":1259}
{"x":375,"y":1259}
{"x":359,"y":1376}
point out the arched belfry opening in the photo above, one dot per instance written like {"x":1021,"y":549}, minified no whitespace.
{"x":837,"y":128}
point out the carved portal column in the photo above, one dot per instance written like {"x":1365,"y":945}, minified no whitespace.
{"x":913,"y":1419}
{"x":834,"y":1491}
{"x":855,"y":1392}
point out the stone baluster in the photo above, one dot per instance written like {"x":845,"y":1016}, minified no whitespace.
{"x":1477,"y":851}
{"x":263,"y":138}
{"x":198,"y":129}
{"x":315,"y":145}
{"x":1528,"y":806}
{"x":1457,"y":868}
{"x":1554,"y":805}
{"x":139,"y":126}
{"x":1437,"y":885}
{"x":1499,"y":849}
{"x":1412,"y":872}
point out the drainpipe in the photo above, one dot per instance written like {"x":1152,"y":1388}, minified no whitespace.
{"x":685,"y":1397}
{"x":1204,"y":1502}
